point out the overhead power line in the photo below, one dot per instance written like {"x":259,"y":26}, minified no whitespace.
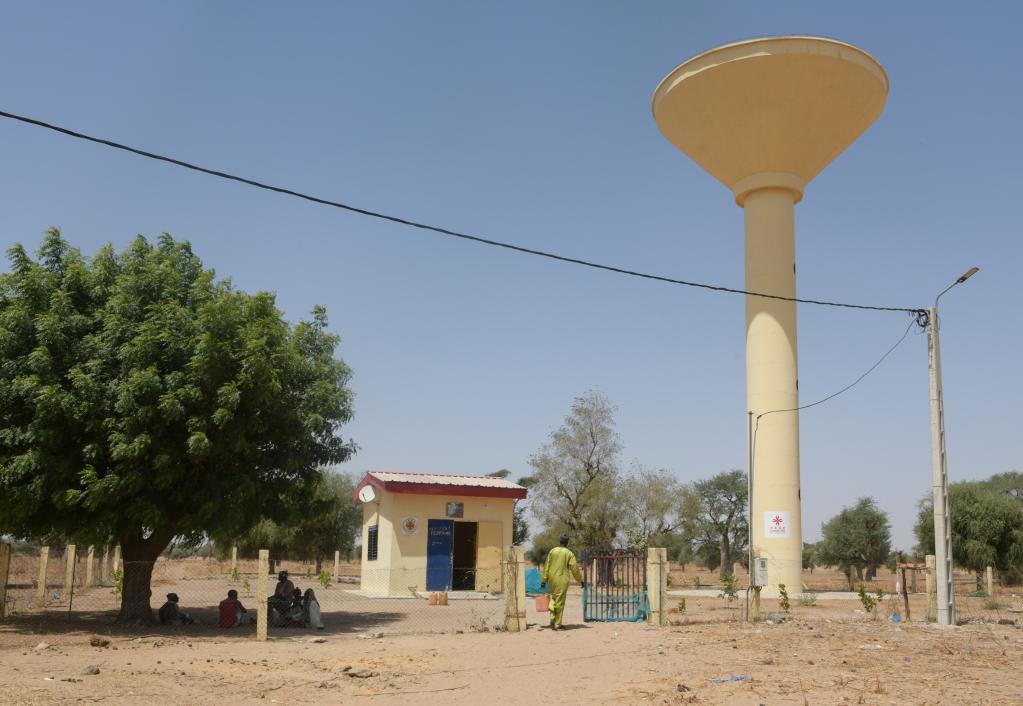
{"x":432,"y":228}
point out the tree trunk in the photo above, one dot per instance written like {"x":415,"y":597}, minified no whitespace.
{"x":137,"y":558}
{"x":319,"y":565}
{"x":859,"y":573}
{"x":726,"y":556}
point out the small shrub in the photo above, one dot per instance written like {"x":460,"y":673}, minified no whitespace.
{"x":869,"y":602}
{"x":309,"y":572}
{"x":235,"y":576}
{"x":696,"y":582}
{"x":808,"y":599}
{"x":668,"y":579}
{"x":118,"y":581}
{"x":681,"y":606}
{"x":324,"y":578}
{"x":783,"y":598}
{"x":247,"y":587}
{"x":729,"y":587}
{"x":992,"y":604}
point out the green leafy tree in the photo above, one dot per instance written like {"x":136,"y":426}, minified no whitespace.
{"x":143,"y":399}
{"x":716,"y":517}
{"x":856,"y":539}
{"x":986,"y":527}
{"x":520,"y":527}
{"x":576,"y":475}
{"x":332,"y":522}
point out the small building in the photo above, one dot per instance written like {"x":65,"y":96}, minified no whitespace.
{"x":432,"y":532}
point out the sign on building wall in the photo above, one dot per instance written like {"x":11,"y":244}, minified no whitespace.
{"x":455,"y":510}
{"x":410,"y":525}
{"x":776,"y":525}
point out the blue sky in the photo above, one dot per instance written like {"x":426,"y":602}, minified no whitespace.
{"x":530,"y":122}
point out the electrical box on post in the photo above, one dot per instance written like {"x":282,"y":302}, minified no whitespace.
{"x":759,"y":573}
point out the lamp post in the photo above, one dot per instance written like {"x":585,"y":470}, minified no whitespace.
{"x":939,"y":467}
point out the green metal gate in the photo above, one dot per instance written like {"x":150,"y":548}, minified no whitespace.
{"x":615,"y":585}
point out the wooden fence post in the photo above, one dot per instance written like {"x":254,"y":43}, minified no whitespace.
{"x":657,"y":584}
{"x":262,"y":573}
{"x":44,"y":558}
{"x":117,"y":559}
{"x":69,"y":570}
{"x":932,"y":590}
{"x":90,"y":559}
{"x":990,"y":575}
{"x":234,"y":559}
{"x":514,"y":580}
{"x":337,"y":566}
{"x":5,"y":567}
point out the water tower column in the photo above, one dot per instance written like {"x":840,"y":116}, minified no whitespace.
{"x":772,"y":374}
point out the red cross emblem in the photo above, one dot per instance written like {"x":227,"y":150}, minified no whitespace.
{"x":777,"y":520}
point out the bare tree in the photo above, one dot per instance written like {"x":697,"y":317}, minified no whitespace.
{"x":576,"y":474}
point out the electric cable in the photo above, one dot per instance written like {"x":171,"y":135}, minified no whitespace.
{"x":435,"y":229}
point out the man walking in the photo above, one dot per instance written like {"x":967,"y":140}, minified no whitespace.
{"x":560,"y":561}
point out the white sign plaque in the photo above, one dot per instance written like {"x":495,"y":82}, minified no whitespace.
{"x":776,"y":525}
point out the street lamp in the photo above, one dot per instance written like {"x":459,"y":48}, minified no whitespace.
{"x":939,"y":467}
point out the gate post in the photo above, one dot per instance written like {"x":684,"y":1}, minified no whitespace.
{"x":514,"y":581}
{"x":5,"y":566}
{"x":657,"y":584}
{"x":90,"y":560}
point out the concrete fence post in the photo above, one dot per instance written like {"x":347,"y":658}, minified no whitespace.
{"x":514,"y":581}
{"x":117,"y":559}
{"x":44,"y":558}
{"x":932,"y":590}
{"x":69,"y":569}
{"x":5,"y":568}
{"x":104,"y":567}
{"x":657,"y":585}
{"x":262,"y":573}
{"x":990,"y":575}
{"x":337,"y":566}
{"x":90,"y":559}
{"x":234,"y":559}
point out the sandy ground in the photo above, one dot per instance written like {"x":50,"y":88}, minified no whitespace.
{"x":826,"y":654}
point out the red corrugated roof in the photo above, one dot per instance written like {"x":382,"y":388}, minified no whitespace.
{"x":441,"y":484}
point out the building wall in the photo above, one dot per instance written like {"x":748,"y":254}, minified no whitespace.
{"x":401,"y":564}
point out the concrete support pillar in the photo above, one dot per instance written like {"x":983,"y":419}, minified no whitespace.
{"x":234,"y":559}
{"x":5,"y":568}
{"x":69,"y":570}
{"x":337,"y":566}
{"x":657,"y":585}
{"x":104,"y":567}
{"x":514,"y":582}
{"x":932,"y":590}
{"x":771,"y":376}
{"x":117,"y":559}
{"x":90,"y":559}
{"x":44,"y":558}
{"x":990,"y":576}
{"x":262,"y":593}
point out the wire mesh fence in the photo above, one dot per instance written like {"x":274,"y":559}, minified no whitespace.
{"x":353,"y":598}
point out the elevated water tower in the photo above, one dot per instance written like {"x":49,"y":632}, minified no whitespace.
{"x":764,"y":117}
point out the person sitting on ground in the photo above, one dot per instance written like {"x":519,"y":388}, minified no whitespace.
{"x":231,"y":610}
{"x":294,"y":614}
{"x":280,"y":602}
{"x":170,"y":613}
{"x":311,"y":610}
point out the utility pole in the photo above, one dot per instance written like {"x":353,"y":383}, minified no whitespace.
{"x":939,"y":468}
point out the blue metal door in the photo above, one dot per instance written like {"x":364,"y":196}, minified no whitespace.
{"x":438,"y":554}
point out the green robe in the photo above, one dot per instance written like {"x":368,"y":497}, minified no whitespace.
{"x":560,"y":561}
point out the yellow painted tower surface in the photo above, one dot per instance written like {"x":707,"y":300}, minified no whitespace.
{"x":764,"y":117}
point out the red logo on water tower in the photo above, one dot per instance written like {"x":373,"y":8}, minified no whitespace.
{"x":776,"y":525}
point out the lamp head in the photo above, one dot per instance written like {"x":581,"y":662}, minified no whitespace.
{"x":969,"y":273}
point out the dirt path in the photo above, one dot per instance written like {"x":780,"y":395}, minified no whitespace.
{"x":809,"y":659}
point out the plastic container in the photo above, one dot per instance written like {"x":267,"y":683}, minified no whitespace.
{"x":543,"y":602}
